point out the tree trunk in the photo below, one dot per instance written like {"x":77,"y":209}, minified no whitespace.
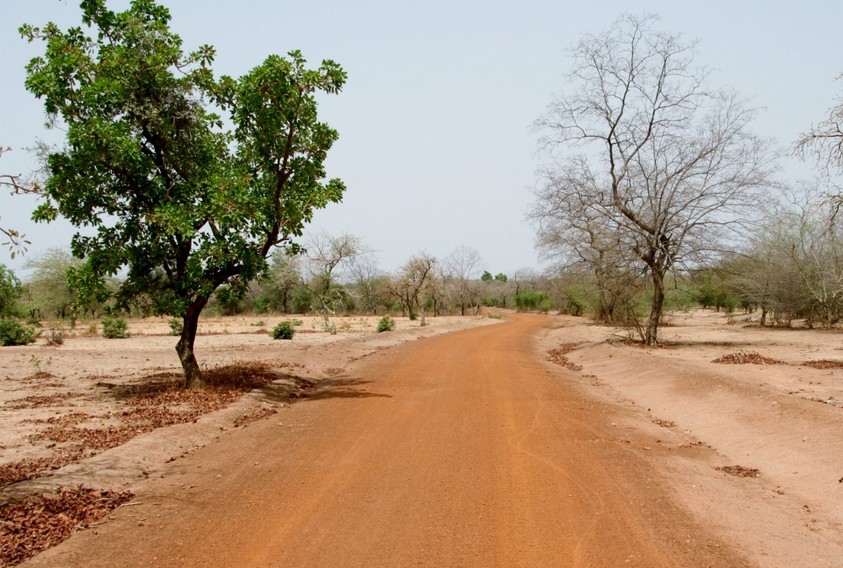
{"x":411,"y":313}
{"x":606,"y":307}
{"x":651,"y":336}
{"x":422,"y":322}
{"x":184,"y":348}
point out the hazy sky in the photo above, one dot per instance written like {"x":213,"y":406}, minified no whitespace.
{"x":436,"y":145}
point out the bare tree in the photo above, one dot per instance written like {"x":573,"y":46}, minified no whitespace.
{"x":578,"y":225}
{"x":325,"y":255}
{"x":825,"y":140}
{"x":463,"y":265}
{"x":412,"y":282}
{"x":367,"y":277}
{"x":815,"y":251}
{"x":824,"y":143}
{"x":674,"y":160}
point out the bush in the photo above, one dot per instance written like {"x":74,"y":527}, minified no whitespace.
{"x":386,"y":324}
{"x":533,"y":300}
{"x":115,"y":328}
{"x":284,"y":330}
{"x":55,"y":336}
{"x":176,"y":326}
{"x":329,"y":326}
{"x":13,"y":333}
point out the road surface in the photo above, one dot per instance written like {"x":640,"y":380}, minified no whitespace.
{"x":462,"y":450}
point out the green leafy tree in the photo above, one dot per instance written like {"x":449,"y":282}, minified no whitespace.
{"x":9,"y":291}
{"x":278,"y":287}
{"x":48,"y":292}
{"x":168,"y":192}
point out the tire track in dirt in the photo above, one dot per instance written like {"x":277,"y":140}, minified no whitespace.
{"x":459,"y":450}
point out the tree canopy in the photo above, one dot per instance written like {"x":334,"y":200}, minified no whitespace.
{"x":825,"y":140}
{"x":10,"y":289}
{"x":652,"y":166}
{"x":180,"y":180}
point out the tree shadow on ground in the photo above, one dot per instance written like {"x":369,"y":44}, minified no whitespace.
{"x":271,"y":384}
{"x":292,"y":387}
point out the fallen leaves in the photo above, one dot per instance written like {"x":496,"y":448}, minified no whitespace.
{"x":157,"y":401}
{"x":22,"y":470}
{"x":744,"y":358}
{"x":558,"y":356}
{"x":37,"y":400}
{"x":254,"y":416}
{"x":154,"y":402}
{"x":824,"y":364}
{"x":739,"y":470}
{"x":36,"y":523}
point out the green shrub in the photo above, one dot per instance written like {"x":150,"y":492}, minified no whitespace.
{"x":386,"y":323}
{"x":115,"y":328}
{"x":176,"y":326}
{"x":678,"y":299}
{"x":532,"y":300}
{"x":13,"y":333}
{"x":284,"y":330}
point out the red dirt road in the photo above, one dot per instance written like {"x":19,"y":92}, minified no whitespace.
{"x":460,"y":450}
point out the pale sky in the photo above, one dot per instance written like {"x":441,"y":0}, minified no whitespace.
{"x":436,"y":145}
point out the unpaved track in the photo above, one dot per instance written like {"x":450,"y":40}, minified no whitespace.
{"x":460,"y":450}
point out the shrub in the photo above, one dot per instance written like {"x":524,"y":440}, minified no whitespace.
{"x":55,"y":336}
{"x":284,"y":330}
{"x":386,"y":324}
{"x":13,"y":333}
{"x":115,"y":328}
{"x":176,"y":326}
{"x":327,"y":324}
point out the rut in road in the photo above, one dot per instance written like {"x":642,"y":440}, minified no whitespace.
{"x":459,"y":450}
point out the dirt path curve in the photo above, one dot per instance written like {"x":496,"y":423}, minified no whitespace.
{"x":460,"y":450}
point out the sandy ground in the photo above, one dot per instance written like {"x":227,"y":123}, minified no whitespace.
{"x":783,"y":420}
{"x":83,"y":376}
{"x":746,"y":459}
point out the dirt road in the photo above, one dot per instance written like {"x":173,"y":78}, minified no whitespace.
{"x":459,"y":450}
